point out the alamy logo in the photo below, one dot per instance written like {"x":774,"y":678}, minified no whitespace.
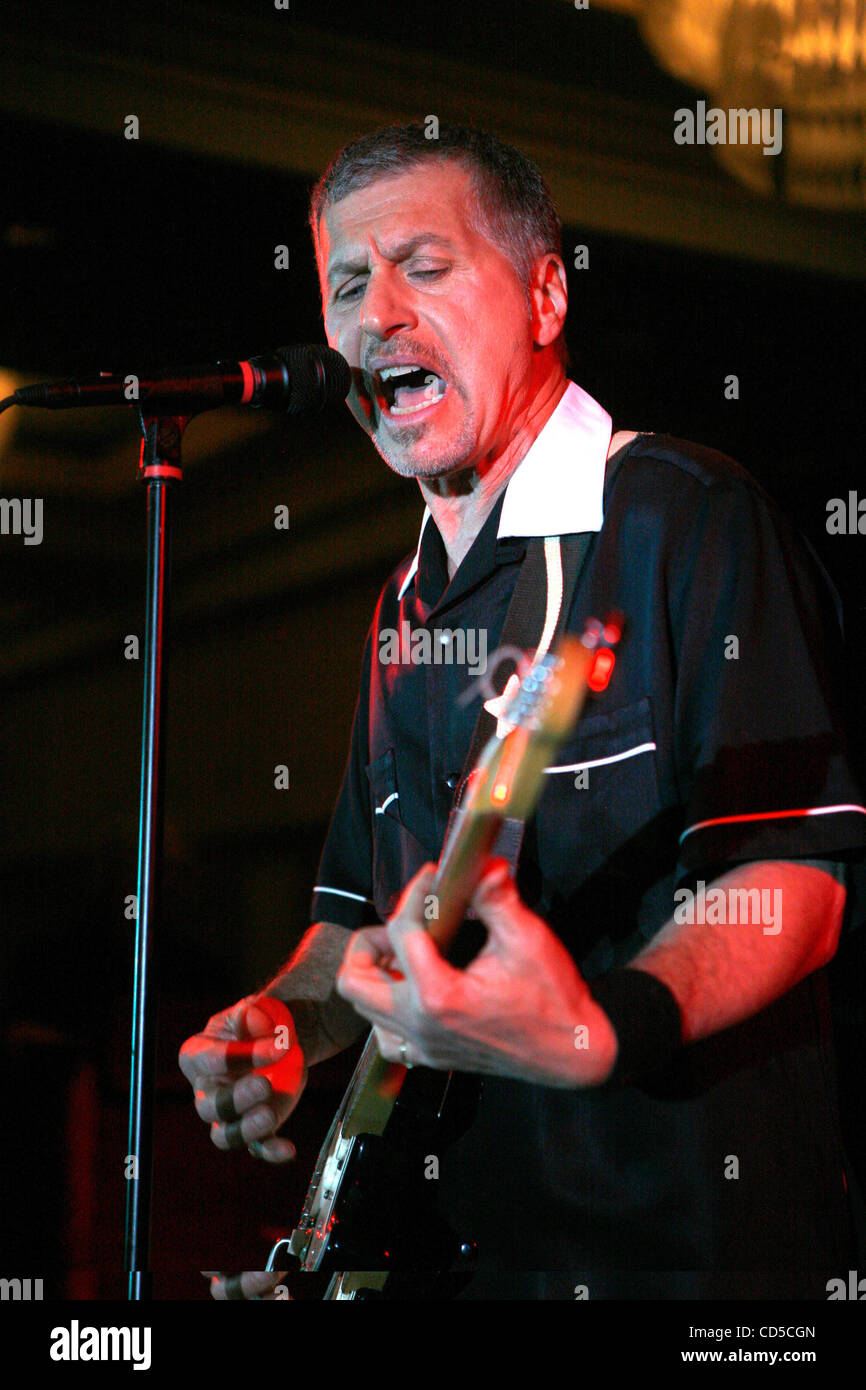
{"x":443,"y":646}
{"x":738,"y":126}
{"x":76,"y":1343}
{"x":22,"y":516}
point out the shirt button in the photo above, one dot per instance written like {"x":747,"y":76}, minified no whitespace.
{"x":452,"y":781}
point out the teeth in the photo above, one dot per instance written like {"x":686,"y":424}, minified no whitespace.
{"x":406,"y":369}
{"x":387,"y":372}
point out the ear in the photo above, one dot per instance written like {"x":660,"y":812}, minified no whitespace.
{"x":548,"y":292}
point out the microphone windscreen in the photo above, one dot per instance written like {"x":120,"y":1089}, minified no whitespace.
{"x":317,"y":376}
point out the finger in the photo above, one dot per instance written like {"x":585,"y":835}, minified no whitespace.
{"x":190,"y":1058}
{"x":376,"y":944}
{"x":371,"y":946}
{"x":214,"y":1052}
{"x":493,"y":879}
{"x":260,"y":1052}
{"x":273,"y":1150}
{"x":256,"y":1284}
{"x":412,"y":899}
{"x":265,"y":1013}
{"x":281,"y":1070}
{"x":393,"y":1047}
{"x":224,"y":1106}
{"x":259,"y":1123}
{"x":225,"y":1103}
{"x":361,"y":978}
{"x":255,"y":1108}
{"x":286,"y":1078}
{"x":218,"y":1059}
{"x":418,"y":956}
{"x":499,"y":905}
{"x":227,"y":1024}
{"x":427,"y":973}
{"x":368,"y":961}
{"x":396,"y":1020}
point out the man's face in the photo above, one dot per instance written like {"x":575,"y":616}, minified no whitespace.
{"x":409,"y":283}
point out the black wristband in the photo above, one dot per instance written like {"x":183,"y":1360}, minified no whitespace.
{"x":646,"y":1019}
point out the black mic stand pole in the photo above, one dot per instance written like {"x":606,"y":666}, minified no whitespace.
{"x":159,"y":469}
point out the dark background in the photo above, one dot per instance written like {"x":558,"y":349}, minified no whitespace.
{"x":122,"y":254}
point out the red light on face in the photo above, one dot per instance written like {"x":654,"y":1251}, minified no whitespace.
{"x":601,"y":669}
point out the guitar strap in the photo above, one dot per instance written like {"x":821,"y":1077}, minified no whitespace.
{"x":536,"y":616}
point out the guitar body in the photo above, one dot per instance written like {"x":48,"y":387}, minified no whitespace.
{"x":387,"y":1217}
{"x":371,"y":1205}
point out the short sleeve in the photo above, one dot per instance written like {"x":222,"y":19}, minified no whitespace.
{"x":343,"y":891}
{"x":760,"y":749}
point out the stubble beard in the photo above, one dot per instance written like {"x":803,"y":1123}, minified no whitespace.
{"x":454,"y":456}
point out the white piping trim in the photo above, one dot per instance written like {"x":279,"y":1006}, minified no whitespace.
{"x":599,"y":762}
{"x":380,"y":810}
{"x":553,"y":602}
{"x":773,"y":815}
{"x":341,"y":893}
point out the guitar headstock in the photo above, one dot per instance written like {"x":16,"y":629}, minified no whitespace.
{"x":538,"y":716}
{"x":508,"y":778}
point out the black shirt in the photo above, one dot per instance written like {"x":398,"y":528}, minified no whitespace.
{"x":704,"y":752}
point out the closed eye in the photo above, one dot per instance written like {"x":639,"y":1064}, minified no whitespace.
{"x":351,"y":291}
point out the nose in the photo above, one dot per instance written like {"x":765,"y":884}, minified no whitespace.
{"x":386,"y":308}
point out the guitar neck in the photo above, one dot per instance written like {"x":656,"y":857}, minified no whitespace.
{"x":506,"y":783}
{"x":377,"y":1083}
{"x":458,"y":872}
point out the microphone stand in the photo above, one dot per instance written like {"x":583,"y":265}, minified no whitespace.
{"x":159,"y":469}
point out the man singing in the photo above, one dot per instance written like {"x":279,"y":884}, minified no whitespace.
{"x":689,"y":1147}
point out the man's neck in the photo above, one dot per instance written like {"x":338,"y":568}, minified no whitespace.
{"x":460,"y":505}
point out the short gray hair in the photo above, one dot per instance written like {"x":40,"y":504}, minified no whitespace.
{"x":513,"y":206}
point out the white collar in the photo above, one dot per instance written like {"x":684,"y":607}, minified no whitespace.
{"x":557,"y":487}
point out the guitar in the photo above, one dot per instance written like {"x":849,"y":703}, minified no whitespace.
{"x":368,"y":1211}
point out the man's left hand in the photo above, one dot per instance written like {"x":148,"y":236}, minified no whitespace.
{"x":519,"y":1009}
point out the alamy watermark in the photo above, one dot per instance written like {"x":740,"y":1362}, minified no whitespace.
{"x":853,"y":1288}
{"x":20,"y":1290}
{"x":730,"y":906}
{"x":77,"y":1343}
{"x":22,"y":516}
{"x":846,"y":518}
{"x":737,"y":126}
{"x":443,"y":646}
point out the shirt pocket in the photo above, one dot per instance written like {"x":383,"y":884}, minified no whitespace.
{"x":397,"y":855}
{"x":601,"y":802}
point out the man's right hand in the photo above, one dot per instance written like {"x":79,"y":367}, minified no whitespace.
{"x":248,"y":1073}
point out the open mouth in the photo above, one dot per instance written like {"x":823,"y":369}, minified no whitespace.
{"x":407,"y":388}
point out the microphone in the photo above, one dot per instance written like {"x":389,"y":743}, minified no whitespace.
{"x":292,"y":379}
